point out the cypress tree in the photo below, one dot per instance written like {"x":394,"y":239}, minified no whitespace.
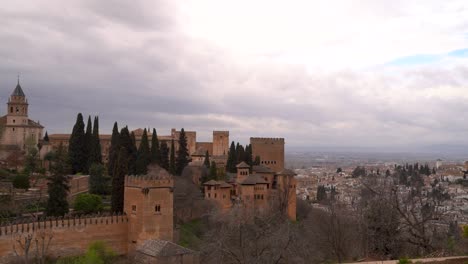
{"x":182,"y":153}
{"x":97,"y":153}
{"x":57,"y":186}
{"x":248,"y":158}
{"x":126,"y":142}
{"x":77,"y":147}
{"x":155,"y":151}
{"x":164,"y":156}
{"x":114,"y":149}
{"x":172,"y":163}
{"x":231,"y":160}
{"x":88,"y":143}
{"x":46,"y":137}
{"x":207,"y":160}
{"x":213,"y":171}
{"x":97,"y":182}
{"x":143,"y":156}
{"x":118,"y":180}
{"x":240,"y":153}
{"x":132,"y":155}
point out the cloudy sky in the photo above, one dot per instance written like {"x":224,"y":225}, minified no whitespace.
{"x":371,"y":73}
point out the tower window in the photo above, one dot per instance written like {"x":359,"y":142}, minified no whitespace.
{"x":133,"y":209}
{"x":157,"y":208}
{"x":14,"y":121}
{"x":13,"y":129}
{"x":11,"y":109}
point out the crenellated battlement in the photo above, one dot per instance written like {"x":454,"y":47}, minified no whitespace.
{"x":51,"y":224}
{"x":220,"y":132}
{"x":266,"y":140}
{"x":149,"y":181}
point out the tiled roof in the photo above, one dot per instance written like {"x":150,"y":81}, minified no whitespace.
{"x":211,"y":182}
{"x":34,"y":123}
{"x":242,"y":165}
{"x":162,"y":248}
{"x":286,"y":172}
{"x":253,"y":179}
{"x":18,"y":91}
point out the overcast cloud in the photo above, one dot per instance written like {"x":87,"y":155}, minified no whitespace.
{"x":319,"y":73}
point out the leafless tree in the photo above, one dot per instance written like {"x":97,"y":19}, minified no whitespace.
{"x":38,"y":243}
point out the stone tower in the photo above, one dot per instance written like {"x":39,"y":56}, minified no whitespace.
{"x":243,"y":171}
{"x":19,"y":129}
{"x":220,"y":143}
{"x":17,"y":107}
{"x":149,"y":204}
{"x":270,"y":151}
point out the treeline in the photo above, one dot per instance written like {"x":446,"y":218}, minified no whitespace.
{"x":237,"y":154}
{"x":125,"y":158}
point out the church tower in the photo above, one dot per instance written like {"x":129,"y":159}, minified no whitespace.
{"x":17,"y":112}
{"x":19,"y":132}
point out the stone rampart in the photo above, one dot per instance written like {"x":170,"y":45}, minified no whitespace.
{"x":70,"y":235}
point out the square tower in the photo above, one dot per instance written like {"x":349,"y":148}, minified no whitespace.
{"x":270,"y":151}
{"x":220,"y":143}
{"x":149,"y":203}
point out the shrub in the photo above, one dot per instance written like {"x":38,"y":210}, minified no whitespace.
{"x":88,"y":203}
{"x":404,"y":261}
{"x":97,"y":253}
{"x":21,"y":181}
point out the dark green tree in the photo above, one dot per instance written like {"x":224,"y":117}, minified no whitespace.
{"x":57,"y":203}
{"x":118,"y":179}
{"x":46,"y":137}
{"x":88,"y":143}
{"x":248,"y":155}
{"x":172,"y":162}
{"x":132,"y":155}
{"x":164,"y":156}
{"x":97,"y":180}
{"x":182,"y":158}
{"x":143,"y":155}
{"x":113,"y":149}
{"x":207,"y":160}
{"x":21,"y":181}
{"x":240,"y":153}
{"x":257,"y":160}
{"x":339,"y":170}
{"x":155,"y":151}
{"x":87,"y":203}
{"x":213,"y":172}
{"x":232,"y":159}
{"x":321,"y":193}
{"x":95,"y":155}
{"x":77,"y":147}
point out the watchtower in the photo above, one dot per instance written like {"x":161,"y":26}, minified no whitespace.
{"x":270,"y":151}
{"x":148,"y":203}
{"x":220,"y":143}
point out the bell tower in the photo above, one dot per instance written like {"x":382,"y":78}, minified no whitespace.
{"x":17,"y":112}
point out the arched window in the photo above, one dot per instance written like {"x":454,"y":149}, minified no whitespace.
{"x":157,"y":208}
{"x":11,"y":109}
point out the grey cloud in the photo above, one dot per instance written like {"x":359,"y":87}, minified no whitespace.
{"x":157,"y":76}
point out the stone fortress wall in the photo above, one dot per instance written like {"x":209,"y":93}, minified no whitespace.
{"x":70,"y":236}
{"x":148,"y":207}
